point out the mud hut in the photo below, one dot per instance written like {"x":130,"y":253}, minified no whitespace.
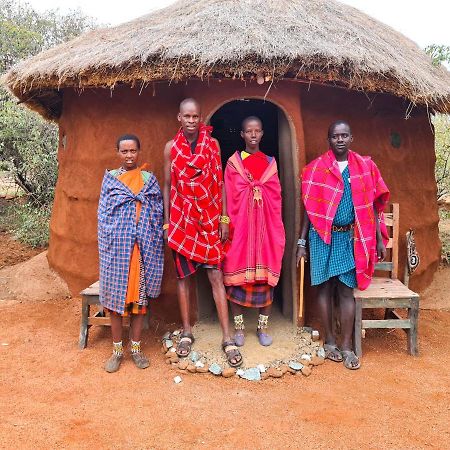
{"x":298,"y":64}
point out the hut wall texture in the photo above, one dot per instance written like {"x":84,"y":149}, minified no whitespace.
{"x":93,"y":120}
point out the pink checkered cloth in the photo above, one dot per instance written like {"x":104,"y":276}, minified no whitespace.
{"x":322,"y":188}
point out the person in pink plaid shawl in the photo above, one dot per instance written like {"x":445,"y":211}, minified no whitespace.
{"x":344,"y":197}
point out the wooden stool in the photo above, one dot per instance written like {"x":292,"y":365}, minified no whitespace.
{"x":90,"y":296}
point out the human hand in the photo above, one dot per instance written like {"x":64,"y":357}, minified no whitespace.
{"x":381,"y":250}
{"x":302,"y":252}
{"x":224,"y":231}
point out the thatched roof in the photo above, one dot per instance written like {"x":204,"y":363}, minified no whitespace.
{"x":314,"y":40}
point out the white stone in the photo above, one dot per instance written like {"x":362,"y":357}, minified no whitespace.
{"x":240,"y":372}
{"x":176,"y":332}
{"x":315,"y":335}
{"x":177,"y":379}
{"x":199,"y":364}
{"x":261,"y":368}
{"x":173,"y":349}
{"x":305,"y":356}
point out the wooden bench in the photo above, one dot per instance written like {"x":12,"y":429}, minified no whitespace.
{"x":388,"y":293}
{"x":90,"y":297}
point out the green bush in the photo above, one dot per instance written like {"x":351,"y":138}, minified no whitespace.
{"x":29,"y":224}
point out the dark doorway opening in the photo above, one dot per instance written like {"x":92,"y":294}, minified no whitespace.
{"x":277,"y":142}
{"x":227,"y":121}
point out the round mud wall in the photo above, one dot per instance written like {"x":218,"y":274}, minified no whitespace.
{"x":92,"y":121}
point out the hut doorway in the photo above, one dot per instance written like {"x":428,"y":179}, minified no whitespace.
{"x":277,"y":142}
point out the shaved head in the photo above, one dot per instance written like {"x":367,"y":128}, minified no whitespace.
{"x":189,"y":101}
{"x":335,"y":124}
{"x":251,"y":119}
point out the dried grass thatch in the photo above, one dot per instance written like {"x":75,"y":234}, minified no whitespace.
{"x":314,"y":40}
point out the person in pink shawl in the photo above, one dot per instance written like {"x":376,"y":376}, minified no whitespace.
{"x":344,"y":197}
{"x":252,"y":265}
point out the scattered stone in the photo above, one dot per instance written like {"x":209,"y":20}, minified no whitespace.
{"x":177,"y":379}
{"x":203,"y":369}
{"x":264,"y":376}
{"x":229,"y":372}
{"x":173,"y":350}
{"x":274,"y":372}
{"x":306,"y":370}
{"x":306,"y":357}
{"x":175,"y":333}
{"x":295,"y":365}
{"x":292,"y":371}
{"x":191,"y":368}
{"x":307,"y":329}
{"x":169,"y":343}
{"x":168,"y":361}
{"x":174,"y":366}
{"x":215,"y":369}
{"x":166,"y":336}
{"x":168,"y":354}
{"x":163,"y":349}
{"x":199,"y":364}
{"x":284,"y":368}
{"x":315,"y":335}
{"x":239,"y":372}
{"x":183,"y":364}
{"x":321,"y":352}
{"x":252,"y":374}
{"x":173,"y":358}
{"x":317,"y":361}
{"x":305,"y":362}
{"x":194,"y":356}
{"x":261,"y":368}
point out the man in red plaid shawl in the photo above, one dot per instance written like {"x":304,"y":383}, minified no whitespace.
{"x":195,"y":218}
{"x":344,"y":197}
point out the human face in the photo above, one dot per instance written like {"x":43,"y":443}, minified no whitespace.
{"x":189,"y":117}
{"x":129,"y":154}
{"x":339,"y":140}
{"x":252,"y":135}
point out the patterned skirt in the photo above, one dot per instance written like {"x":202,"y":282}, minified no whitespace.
{"x":251,"y":295}
{"x":140,"y":305}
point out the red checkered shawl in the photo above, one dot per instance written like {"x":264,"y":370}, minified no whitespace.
{"x":322,"y":189}
{"x":196,"y":198}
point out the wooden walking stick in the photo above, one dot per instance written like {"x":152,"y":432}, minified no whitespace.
{"x":300,"y":319}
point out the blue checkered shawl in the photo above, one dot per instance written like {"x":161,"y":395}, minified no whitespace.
{"x":117,"y":233}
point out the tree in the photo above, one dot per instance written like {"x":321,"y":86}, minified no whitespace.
{"x":440,"y":54}
{"x":27,"y":141}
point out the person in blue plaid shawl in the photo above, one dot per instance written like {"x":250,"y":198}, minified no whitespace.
{"x":131,"y":247}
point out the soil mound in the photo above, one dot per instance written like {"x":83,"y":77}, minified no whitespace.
{"x":32,"y":280}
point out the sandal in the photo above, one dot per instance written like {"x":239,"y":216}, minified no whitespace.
{"x":332,"y":353}
{"x":351,"y":361}
{"x":184,"y":346}
{"x":232,"y":352}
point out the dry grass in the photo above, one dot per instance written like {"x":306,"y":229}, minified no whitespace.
{"x":313,"y":40}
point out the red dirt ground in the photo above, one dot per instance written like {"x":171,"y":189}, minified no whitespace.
{"x":53,"y":395}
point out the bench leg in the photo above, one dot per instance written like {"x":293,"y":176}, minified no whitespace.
{"x":413,"y":316}
{"x":358,"y":328}
{"x":84,"y":328}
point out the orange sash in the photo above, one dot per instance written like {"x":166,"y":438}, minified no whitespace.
{"x":134,"y":181}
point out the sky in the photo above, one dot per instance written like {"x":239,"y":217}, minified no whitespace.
{"x":425,"y":22}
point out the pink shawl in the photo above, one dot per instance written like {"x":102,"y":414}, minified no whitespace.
{"x":254,"y":207}
{"x":322,"y":189}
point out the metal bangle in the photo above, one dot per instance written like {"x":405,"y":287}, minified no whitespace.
{"x":301,"y":243}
